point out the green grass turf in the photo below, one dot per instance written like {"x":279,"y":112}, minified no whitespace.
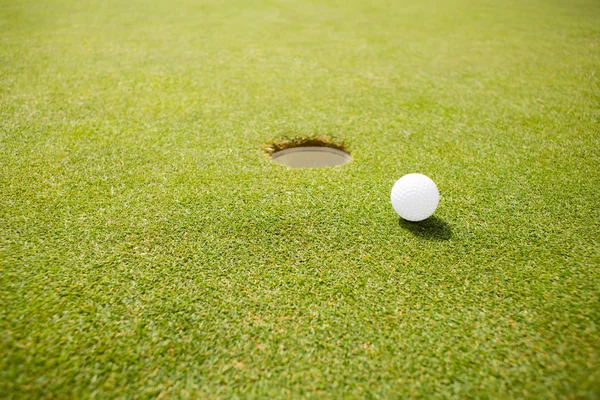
{"x":149,"y":248}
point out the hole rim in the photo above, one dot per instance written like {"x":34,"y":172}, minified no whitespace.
{"x":341,"y":156}
{"x":288,"y":144}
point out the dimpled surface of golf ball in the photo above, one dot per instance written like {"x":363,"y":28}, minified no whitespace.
{"x":415,"y":197}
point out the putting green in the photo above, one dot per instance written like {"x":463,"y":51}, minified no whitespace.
{"x":149,"y":247}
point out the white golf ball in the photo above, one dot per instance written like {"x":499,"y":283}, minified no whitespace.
{"x":415,"y":197}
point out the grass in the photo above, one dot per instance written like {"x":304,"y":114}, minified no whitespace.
{"x":149,"y":248}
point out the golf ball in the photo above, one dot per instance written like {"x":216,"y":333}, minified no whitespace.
{"x":415,"y":197}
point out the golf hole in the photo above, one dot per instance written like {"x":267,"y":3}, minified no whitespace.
{"x":310,"y":157}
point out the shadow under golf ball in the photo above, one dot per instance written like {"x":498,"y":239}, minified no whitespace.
{"x":433,"y":228}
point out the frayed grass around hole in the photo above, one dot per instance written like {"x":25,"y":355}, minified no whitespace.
{"x":289,"y":142}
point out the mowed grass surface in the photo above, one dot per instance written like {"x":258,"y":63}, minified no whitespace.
{"x":150,"y":249}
